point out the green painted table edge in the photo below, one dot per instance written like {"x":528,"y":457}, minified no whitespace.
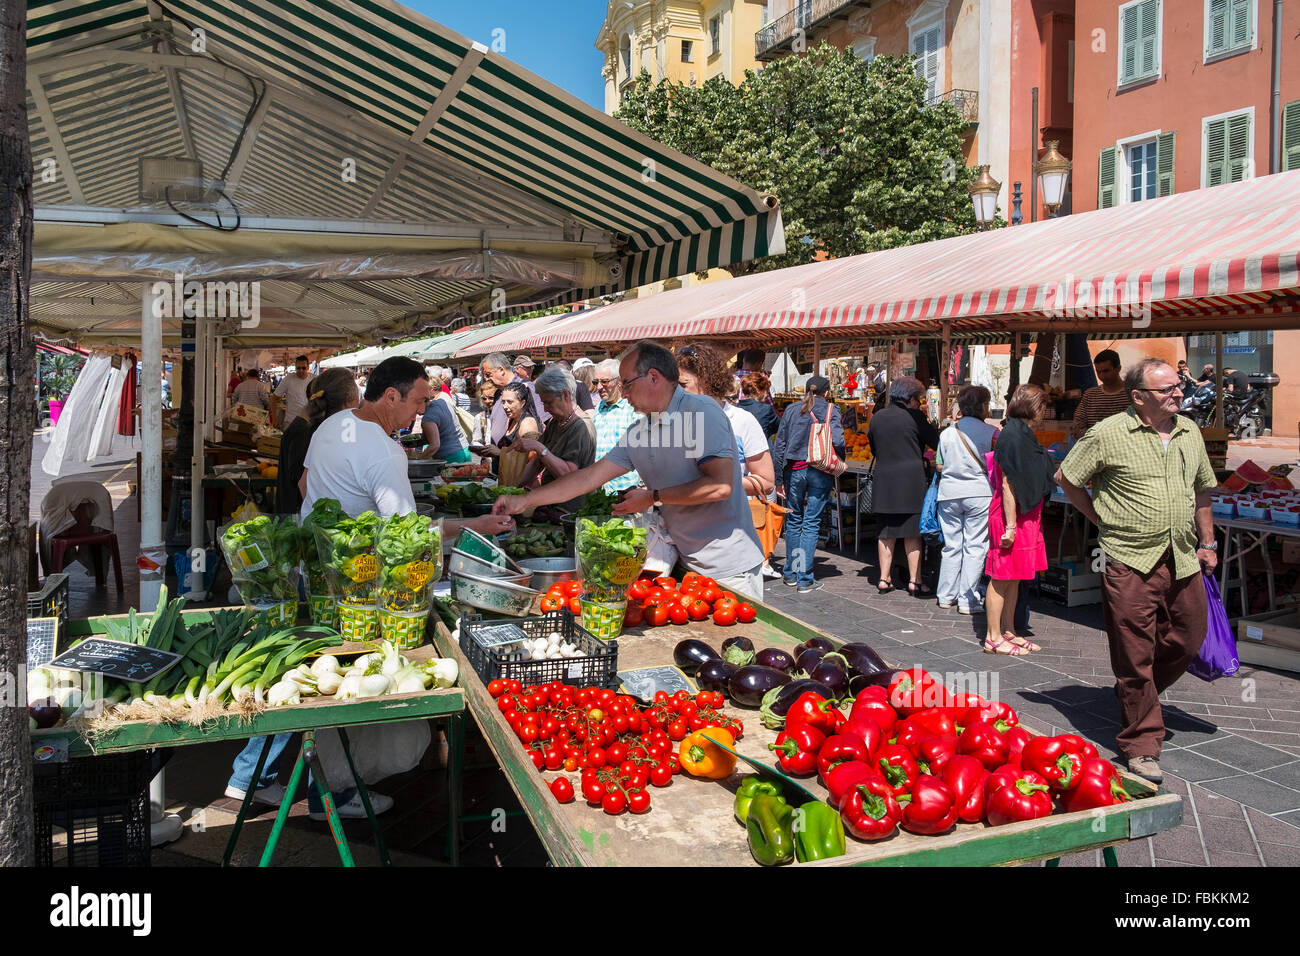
{"x":1151,"y":812}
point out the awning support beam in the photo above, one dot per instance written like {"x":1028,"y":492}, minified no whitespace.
{"x":65,"y":168}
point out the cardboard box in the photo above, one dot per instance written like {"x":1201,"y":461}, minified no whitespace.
{"x":1275,"y":629}
{"x":1290,"y":551}
{"x":1062,"y":584}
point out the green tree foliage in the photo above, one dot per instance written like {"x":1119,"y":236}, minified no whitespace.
{"x":857,"y":158}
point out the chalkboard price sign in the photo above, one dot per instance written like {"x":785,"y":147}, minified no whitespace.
{"x":42,"y":638}
{"x":645,"y":682}
{"x":127,"y":662}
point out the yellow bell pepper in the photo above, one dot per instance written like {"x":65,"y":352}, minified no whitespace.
{"x":700,"y":756}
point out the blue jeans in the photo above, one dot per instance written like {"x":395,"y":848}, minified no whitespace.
{"x":806,"y":494}
{"x":241,"y":777}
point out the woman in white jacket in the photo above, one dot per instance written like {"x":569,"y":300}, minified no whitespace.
{"x":964,"y":496}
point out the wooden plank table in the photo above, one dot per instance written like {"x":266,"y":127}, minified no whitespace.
{"x":691,"y":822}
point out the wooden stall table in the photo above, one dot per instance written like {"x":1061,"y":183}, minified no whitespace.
{"x":690,"y":822}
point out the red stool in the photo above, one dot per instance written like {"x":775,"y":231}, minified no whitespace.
{"x":82,"y":534}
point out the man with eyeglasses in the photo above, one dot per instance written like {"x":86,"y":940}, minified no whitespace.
{"x":291,"y":393}
{"x":1151,"y":481}
{"x":612,"y":417}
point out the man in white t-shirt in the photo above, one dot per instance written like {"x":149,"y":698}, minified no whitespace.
{"x":291,"y":393}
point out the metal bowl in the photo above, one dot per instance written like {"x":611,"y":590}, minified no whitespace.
{"x":485,"y":549}
{"x":500,"y":597}
{"x":546,"y":571}
{"x":424,"y":468}
{"x":462,"y":563}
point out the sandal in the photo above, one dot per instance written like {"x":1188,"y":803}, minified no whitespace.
{"x":888,"y":586}
{"x":1013,"y":638}
{"x":1003,"y":646}
{"x":917,"y":590}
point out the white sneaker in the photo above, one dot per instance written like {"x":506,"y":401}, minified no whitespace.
{"x":971,"y":611}
{"x":769,"y":571}
{"x":354,"y":809}
{"x":272,"y":794}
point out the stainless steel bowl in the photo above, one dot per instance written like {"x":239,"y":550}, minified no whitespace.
{"x":424,"y":468}
{"x":546,"y":571}
{"x":462,"y":563}
{"x":495,"y":595}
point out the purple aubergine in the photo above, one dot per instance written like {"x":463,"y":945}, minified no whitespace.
{"x":690,"y":654}
{"x":738,"y":651}
{"x":808,"y":658}
{"x":774,"y":657}
{"x":820,"y":643}
{"x":833,"y":671}
{"x":879,"y":679}
{"x":749,"y":684}
{"x":715,"y":675}
{"x":778,"y":701}
{"x":45,"y":712}
{"x":862,"y":659}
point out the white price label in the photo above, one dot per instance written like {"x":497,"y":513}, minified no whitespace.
{"x":575,"y":671}
{"x":1254,"y":633}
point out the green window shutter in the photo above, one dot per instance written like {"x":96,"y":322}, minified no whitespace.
{"x":1129,"y":43}
{"x":1216,"y":27}
{"x":1291,"y":136}
{"x":1149,"y":62}
{"x":1239,"y":23}
{"x":1238,"y":147}
{"x":1216,"y":147}
{"x":1165,"y":164}
{"x":1106,"y":178}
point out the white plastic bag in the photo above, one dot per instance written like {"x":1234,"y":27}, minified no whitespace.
{"x":378,"y":751}
{"x":661,"y":553}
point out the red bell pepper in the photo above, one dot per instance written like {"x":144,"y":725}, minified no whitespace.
{"x":842,"y":778}
{"x":1076,"y":744}
{"x":937,"y":720}
{"x":812,"y":708}
{"x":935,"y":751}
{"x":796,"y":749}
{"x":913,"y":691}
{"x":870,"y":811}
{"x":985,"y":743}
{"x":898,"y":767}
{"x":1053,"y":759}
{"x":1005,"y":774}
{"x":1016,"y":739}
{"x":960,"y":704}
{"x":931,"y":807}
{"x":873,"y":703}
{"x":1099,"y":786}
{"x":994,"y":712}
{"x":866,"y":730}
{"x":965,"y":776}
{"x":839,"y":748}
{"x":1025,"y":798}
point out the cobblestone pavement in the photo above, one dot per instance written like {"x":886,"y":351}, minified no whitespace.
{"x":1232,"y":748}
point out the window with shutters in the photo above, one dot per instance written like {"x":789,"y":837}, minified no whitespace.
{"x":1229,"y":27}
{"x":1227,"y":143}
{"x":926,"y":41}
{"x":1139,"y":46}
{"x":1291,"y":136}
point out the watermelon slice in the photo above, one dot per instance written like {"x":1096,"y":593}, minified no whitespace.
{"x":1252,"y":473}
{"x":1235,"y":483}
{"x":1279,"y":484}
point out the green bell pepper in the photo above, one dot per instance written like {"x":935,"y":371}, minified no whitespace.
{"x":771,"y":830}
{"x":818,"y":832}
{"x":750,"y":789}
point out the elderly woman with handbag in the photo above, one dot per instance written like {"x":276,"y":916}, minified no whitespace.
{"x":806,"y":488}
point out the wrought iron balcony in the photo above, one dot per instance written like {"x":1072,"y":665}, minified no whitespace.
{"x":967,"y":103}
{"x":778,"y":36}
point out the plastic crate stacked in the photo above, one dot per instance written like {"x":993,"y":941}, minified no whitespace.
{"x":51,"y":601}
{"x":596,"y":666}
{"x":101,"y":804}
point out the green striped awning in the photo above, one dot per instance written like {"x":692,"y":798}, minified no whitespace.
{"x":372,"y":115}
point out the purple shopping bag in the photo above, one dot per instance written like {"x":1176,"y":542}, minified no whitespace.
{"x":1218,"y":656}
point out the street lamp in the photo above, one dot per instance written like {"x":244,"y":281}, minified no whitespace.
{"x":1053,"y":172}
{"x":984,"y":197}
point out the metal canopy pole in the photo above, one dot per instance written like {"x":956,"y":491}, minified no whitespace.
{"x":202,"y":392}
{"x":817,"y":353}
{"x":151,"y":530}
{"x":1218,"y":380}
{"x":945,"y":359}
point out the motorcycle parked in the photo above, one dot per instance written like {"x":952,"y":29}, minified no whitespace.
{"x":1243,"y":415}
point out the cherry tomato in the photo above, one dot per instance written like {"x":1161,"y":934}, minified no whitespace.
{"x":595,"y":757}
{"x":614,"y":803}
{"x":507,"y":705}
{"x":639,"y":778}
{"x":698,"y":610}
{"x":746,"y":613}
{"x":661,"y":775}
{"x":710,"y":594}
{"x":593,"y":790}
{"x":656,"y":616}
{"x":571,"y":763}
{"x":513,"y":686}
{"x":615,"y":754}
{"x":724,"y":617}
{"x":677,"y":614}
{"x":677,"y":729}
{"x":553,"y":759}
{"x":527,"y":733}
{"x":627,"y":767}
{"x":496,"y":688}
{"x":537,"y":759}
{"x":562,"y":790}
{"x":552,"y":602}
{"x":596,"y":715}
{"x":638,"y":801}
{"x":661,"y":696}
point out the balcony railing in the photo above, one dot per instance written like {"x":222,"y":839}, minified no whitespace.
{"x":780,"y":33}
{"x":967,"y":103}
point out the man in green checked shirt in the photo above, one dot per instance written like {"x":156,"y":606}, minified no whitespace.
{"x":1151,"y":482}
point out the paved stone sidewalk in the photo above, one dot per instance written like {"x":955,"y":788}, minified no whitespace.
{"x":1232,"y":748}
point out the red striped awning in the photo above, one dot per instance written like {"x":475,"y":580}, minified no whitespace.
{"x":1227,"y":258}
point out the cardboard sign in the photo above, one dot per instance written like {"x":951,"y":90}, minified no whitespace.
{"x":117,"y":659}
{"x":645,"y":682}
{"x":42,"y":639}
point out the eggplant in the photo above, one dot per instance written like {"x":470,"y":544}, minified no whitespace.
{"x":778,"y":701}
{"x":818,"y":642}
{"x":690,"y":654}
{"x":45,"y":712}
{"x":749,"y":684}
{"x":833,"y":671}
{"x":738,"y":651}
{"x":878,"y":679}
{"x":715,"y":675}
{"x":774,"y":657}
{"x":862,"y":659}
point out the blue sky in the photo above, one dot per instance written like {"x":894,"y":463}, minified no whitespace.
{"x":553,"y":38}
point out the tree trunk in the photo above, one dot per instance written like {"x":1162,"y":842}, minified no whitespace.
{"x":17,"y":418}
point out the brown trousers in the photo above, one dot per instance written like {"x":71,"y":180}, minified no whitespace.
{"x":1155,"y":625}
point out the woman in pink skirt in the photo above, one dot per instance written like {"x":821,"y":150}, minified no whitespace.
{"x":1020,"y":471}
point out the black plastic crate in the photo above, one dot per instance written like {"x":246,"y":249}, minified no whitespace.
{"x":51,"y":601}
{"x":102,"y":804}
{"x":597,"y":667}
